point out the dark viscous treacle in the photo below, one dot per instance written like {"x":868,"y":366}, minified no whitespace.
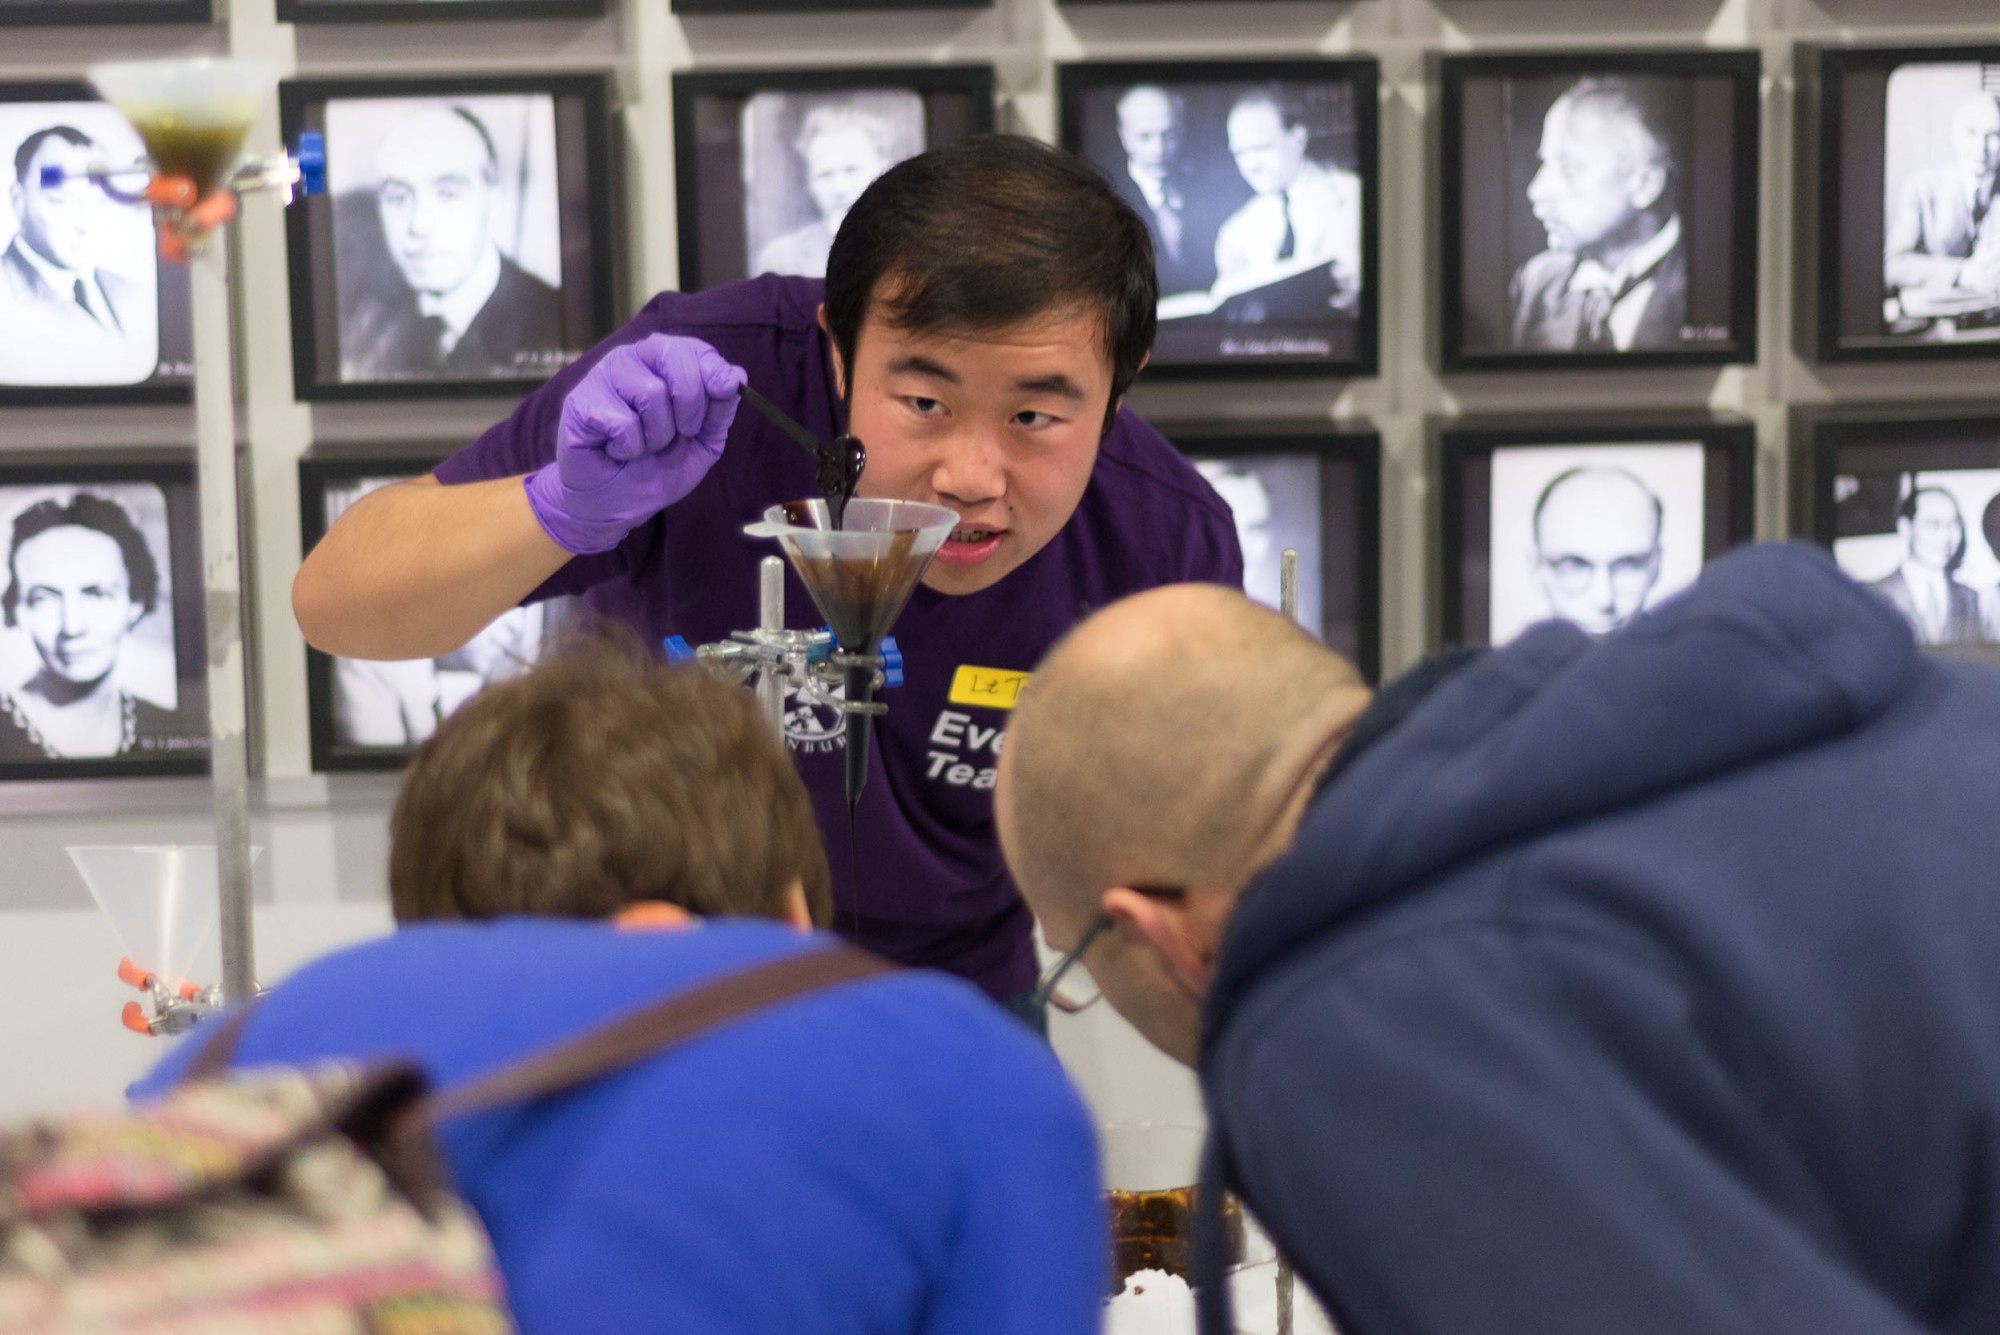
{"x":1154,"y":1230}
{"x":202,"y":153}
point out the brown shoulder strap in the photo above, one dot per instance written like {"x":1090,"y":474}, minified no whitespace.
{"x":656,"y":1027}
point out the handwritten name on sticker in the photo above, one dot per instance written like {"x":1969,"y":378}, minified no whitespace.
{"x":989,"y":688}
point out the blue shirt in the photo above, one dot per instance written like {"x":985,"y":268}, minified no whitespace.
{"x":891,"y":1155}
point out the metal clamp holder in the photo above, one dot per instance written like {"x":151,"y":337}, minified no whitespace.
{"x":809,"y":662}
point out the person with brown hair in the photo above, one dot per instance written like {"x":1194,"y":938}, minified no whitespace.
{"x":893,"y":1155}
{"x":599,"y":779}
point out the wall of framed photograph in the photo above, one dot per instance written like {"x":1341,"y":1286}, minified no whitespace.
{"x":1258,"y":183}
{"x":464,"y":243}
{"x":1317,"y":490}
{"x":1590,"y":523}
{"x":1901,"y":170}
{"x":369,"y":715}
{"x":87,"y":313}
{"x":769,"y":161}
{"x":1909,"y":504}
{"x":1599,"y":209}
{"x":102,"y":646}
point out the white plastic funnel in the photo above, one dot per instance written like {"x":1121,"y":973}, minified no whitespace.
{"x":860,"y":574}
{"x":162,"y":898}
{"x":193,"y":114}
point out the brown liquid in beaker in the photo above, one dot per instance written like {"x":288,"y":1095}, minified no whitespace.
{"x":203,"y":153}
{"x":1154,"y":1230}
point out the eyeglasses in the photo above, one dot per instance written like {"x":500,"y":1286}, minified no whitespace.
{"x":1081,"y":992}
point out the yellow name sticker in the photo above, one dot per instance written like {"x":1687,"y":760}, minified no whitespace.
{"x":988,"y":688}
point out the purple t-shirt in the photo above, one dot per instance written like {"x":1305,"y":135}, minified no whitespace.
{"x":921,"y":880}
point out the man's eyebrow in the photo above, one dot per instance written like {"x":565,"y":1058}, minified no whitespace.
{"x":917,"y":364}
{"x":1058,"y":384}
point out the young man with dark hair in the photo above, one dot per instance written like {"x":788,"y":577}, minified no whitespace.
{"x":888,"y":1156}
{"x":986,"y":307}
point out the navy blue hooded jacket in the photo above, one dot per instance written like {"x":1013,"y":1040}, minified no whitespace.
{"x":1649,"y":984}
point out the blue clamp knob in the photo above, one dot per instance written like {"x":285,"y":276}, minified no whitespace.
{"x":312,"y":162}
{"x":677,"y":649}
{"x":892,"y":662}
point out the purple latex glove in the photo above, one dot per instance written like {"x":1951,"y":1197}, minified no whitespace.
{"x":638,"y":432}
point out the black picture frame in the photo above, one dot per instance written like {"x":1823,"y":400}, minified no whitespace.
{"x":1844,"y":226}
{"x":581,"y":249}
{"x":713,"y":199}
{"x":153,"y":309}
{"x":1344,"y":497}
{"x":1478,"y":261}
{"x":815,"y":6}
{"x":1864,"y":462}
{"x":155,"y":491}
{"x":1465,"y":452}
{"x":91,"y":13}
{"x":346,"y":701}
{"x":417,"y":11}
{"x":1241,"y":337}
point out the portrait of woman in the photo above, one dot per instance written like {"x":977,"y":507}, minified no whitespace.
{"x":81,"y":580}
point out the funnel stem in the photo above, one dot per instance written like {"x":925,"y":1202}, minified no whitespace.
{"x":860,"y":690}
{"x":228,"y":754}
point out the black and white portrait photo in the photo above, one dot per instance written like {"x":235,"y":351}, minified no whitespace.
{"x":447,"y":237}
{"x":90,"y":663}
{"x":768,"y":162}
{"x":1256,"y":192}
{"x":84,"y":304}
{"x":463,"y":242}
{"x":1593,"y":534}
{"x":1275,"y":500}
{"x":388,"y":707}
{"x":1599,"y":213}
{"x":1941,"y":168}
{"x":1912,"y":509}
{"x":807,"y":157}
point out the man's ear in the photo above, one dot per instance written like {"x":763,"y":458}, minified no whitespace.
{"x":1652,"y":183}
{"x":839,"y":367}
{"x":796,"y":913}
{"x":1172,"y":931}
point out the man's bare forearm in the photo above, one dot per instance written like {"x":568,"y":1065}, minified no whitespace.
{"x":416,"y":569}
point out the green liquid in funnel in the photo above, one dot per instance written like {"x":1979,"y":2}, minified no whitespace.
{"x":202,"y":152}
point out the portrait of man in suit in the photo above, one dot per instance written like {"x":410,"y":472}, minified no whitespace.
{"x":1293,"y":249}
{"x":1925,"y":587}
{"x":1597,"y":533}
{"x":1614,"y":275}
{"x":1155,"y":182}
{"x":1942,"y":244}
{"x":75,"y":314}
{"x":448,"y":303}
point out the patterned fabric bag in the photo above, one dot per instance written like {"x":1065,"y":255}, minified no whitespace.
{"x":300,"y":1201}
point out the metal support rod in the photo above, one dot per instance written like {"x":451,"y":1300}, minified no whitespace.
{"x":222,"y":589}
{"x":1288,"y":584}
{"x":771,"y":616}
{"x":1286,"y":1287}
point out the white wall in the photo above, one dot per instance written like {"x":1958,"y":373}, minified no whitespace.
{"x":322,"y":872}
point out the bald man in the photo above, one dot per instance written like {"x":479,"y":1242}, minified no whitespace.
{"x":448,"y":305}
{"x":1639,"y":984}
{"x":1614,"y":276}
{"x":1939,"y":240}
{"x":1153,"y":180}
{"x":1597,"y":546}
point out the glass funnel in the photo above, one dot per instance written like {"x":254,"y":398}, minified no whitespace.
{"x":860,"y":574}
{"x":192,"y":114}
{"x":162,"y":898}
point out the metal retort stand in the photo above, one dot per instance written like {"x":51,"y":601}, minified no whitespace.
{"x":193,"y":117}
